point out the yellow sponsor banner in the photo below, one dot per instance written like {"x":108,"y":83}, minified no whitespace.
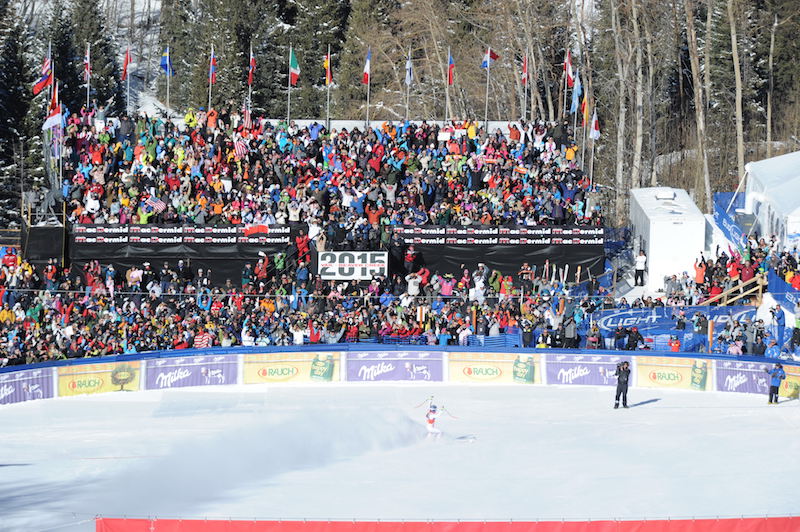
{"x":790,"y":387}
{"x":668,"y":372}
{"x":292,"y":367}
{"x":495,"y":368}
{"x":99,"y":378}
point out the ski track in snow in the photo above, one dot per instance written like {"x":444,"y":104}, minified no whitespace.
{"x":349,"y":451}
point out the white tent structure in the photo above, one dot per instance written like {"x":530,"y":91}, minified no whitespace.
{"x":671,"y":230}
{"x":773,"y":197}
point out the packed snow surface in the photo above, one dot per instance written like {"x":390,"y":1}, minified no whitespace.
{"x":361,"y":451}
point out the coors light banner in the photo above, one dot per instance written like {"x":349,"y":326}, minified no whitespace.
{"x":207,"y":370}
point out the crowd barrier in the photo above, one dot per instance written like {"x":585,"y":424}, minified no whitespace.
{"x":385,"y":363}
{"x":741,"y":524}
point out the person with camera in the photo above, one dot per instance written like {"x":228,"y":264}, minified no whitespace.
{"x":623,"y":375}
{"x":779,"y":321}
{"x":776,"y":376}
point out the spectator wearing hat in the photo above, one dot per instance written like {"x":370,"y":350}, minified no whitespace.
{"x":777,"y":374}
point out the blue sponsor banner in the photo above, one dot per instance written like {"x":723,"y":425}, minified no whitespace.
{"x":661,"y":320}
{"x":782,"y":291}
{"x":725,"y":220}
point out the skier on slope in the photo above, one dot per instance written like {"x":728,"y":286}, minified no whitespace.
{"x":430,"y":418}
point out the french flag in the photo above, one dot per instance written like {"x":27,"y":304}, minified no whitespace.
{"x":451,"y":70}
{"x":489,"y":58}
{"x":367,"y":67}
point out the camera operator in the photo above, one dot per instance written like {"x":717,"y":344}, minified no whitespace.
{"x":777,"y":375}
{"x":779,"y":323}
{"x":623,"y":374}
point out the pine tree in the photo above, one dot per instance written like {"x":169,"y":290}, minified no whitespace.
{"x":67,"y":62}
{"x":89,"y":27}
{"x":178,"y":23}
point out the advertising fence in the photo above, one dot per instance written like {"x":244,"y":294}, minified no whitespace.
{"x":743,"y":524}
{"x":386,"y":363}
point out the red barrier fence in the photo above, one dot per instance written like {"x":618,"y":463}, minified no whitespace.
{"x":763,"y":524}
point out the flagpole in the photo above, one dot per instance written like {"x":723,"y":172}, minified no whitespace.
{"x":289,"y":87}
{"x":408,"y":88}
{"x":249,"y":85}
{"x":210,"y":66}
{"x":591,"y":167}
{"x":128,"y":85}
{"x":328,"y":81}
{"x":447,"y":89}
{"x":169,"y":75}
{"x":583,"y":145}
{"x":566,"y":75}
{"x":486,"y":99}
{"x":575,"y":115}
{"x":88,"y":68}
{"x":525,"y":89}
{"x":369,"y":82}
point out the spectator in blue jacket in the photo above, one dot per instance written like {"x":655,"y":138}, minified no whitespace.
{"x":773,"y":351}
{"x":777,"y":375}
{"x":779,"y":319}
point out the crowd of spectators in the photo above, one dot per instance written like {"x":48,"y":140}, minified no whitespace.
{"x":222,"y":168}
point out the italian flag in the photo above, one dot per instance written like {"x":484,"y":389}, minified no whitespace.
{"x":294,"y":68}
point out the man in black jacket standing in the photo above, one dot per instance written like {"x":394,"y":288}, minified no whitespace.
{"x":623,"y":374}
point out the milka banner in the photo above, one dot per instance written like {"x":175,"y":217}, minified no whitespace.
{"x":743,"y":377}
{"x":209,"y":370}
{"x":26,"y":386}
{"x":416,"y":366}
{"x":661,"y":318}
{"x":581,"y":369}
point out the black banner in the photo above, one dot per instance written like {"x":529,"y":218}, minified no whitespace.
{"x":444,"y":248}
{"x":42,"y":242}
{"x":223,"y":249}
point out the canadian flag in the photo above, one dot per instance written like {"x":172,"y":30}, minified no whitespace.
{"x":525,"y":71}
{"x":568,"y":70}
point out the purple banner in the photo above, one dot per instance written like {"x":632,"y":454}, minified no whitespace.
{"x":208,"y":370}
{"x":26,"y":385}
{"x":742,"y":377}
{"x":581,"y":369}
{"x":395,"y":366}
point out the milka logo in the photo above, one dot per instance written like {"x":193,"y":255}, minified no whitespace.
{"x":566,"y":376}
{"x":165,"y":380}
{"x":370,"y":373}
{"x":5,"y":391}
{"x":732,"y":382}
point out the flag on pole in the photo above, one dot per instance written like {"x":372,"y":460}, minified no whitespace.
{"x":489,"y":57}
{"x":367,"y":67}
{"x":166,"y":63}
{"x":294,"y":68}
{"x":87,"y":64}
{"x":247,"y":123}
{"x":594,"y":133}
{"x":125,"y":63}
{"x":585,"y":111}
{"x":409,"y":70}
{"x":525,"y":71}
{"x":576,"y":93}
{"x":326,"y":64}
{"x":251,"y":69}
{"x":54,"y":112}
{"x":212,"y":67}
{"x":451,"y":69}
{"x":568,"y":70}
{"x":47,"y":77}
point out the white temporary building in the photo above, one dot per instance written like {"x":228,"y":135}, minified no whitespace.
{"x":668,"y":226}
{"x":773,"y":197}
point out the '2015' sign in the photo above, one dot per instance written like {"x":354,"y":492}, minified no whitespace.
{"x":352,"y":265}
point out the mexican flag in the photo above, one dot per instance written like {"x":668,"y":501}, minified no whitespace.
{"x":294,"y":68}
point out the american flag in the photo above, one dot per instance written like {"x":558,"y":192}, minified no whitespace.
{"x":157,"y":205}
{"x":241,"y":149}
{"x":248,"y":118}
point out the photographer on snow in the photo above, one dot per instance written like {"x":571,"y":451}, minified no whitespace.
{"x":623,"y":375}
